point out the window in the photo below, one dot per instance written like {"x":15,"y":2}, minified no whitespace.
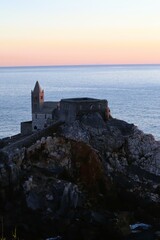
{"x":35,"y":127}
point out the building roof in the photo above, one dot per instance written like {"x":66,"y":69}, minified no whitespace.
{"x":80,"y":100}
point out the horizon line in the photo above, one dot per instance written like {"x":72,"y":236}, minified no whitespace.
{"x":82,"y":65}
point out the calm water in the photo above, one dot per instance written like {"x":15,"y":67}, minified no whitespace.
{"x":133,"y":92}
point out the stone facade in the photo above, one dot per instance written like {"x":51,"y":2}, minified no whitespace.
{"x":42,"y":112}
{"x":45,"y":114}
{"x":40,"y":120}
{"x":26,"y":128}
{"x":37,"y":96}
{"x":73,"y":108}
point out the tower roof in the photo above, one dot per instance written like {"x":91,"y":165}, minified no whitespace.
{"x":37,"y":88}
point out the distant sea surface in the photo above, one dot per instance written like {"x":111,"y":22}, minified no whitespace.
{"x":133,"y":92}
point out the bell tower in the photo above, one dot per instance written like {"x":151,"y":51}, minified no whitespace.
{"x":37,"y":98}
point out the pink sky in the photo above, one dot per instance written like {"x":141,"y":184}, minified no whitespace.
{"x":80,"y":33}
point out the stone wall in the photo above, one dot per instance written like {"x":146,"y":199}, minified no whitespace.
{"x":26,"y":128}
{"x":70,"y":109}
{"x":40,"y":121}
{"x":29,"y":140}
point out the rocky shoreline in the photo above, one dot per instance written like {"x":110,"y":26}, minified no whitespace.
{"x":85,"y":181}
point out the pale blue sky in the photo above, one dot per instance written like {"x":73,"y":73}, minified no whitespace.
{"x":49,"y":19}
{"x":42,"y":11}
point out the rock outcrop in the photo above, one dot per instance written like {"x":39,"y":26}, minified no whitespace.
{"x":89,"y":180}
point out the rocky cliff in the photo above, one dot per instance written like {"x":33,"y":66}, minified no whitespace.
{"x":89,"y":180}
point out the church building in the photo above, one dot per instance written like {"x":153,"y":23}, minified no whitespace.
{"x":67,"y":110}
{"x":42,"y":112}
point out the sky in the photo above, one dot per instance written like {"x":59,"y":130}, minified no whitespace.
{"x":75,"y":32}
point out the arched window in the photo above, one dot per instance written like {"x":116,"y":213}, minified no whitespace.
{"x":35,"y":127}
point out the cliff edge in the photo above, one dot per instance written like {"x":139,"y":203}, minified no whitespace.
{"x":87,"y":180}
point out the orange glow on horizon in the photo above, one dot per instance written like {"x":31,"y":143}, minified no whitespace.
{"x":121,"y":46}
{"x":79,"y":32}
{"x":30,"y":54}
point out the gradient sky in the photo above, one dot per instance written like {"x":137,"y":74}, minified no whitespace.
{"x":60,"y":32}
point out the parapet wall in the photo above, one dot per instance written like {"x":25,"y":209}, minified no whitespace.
{"x":26,"y":128}
{"x":72,"y":108}
{"x":29,"y":140}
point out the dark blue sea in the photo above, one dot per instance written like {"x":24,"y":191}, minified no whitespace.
{"x":133,"y":92}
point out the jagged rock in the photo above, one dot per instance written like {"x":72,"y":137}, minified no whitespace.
{"x":75,"y":131}
{"x":93,"y":120}
{"x":33,"y":201}
{"x":49,"y":197}
{"x":85,"y":178}
{"x":70,"y":197}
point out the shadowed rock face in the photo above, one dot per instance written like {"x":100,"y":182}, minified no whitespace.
{"x":90,"y":180}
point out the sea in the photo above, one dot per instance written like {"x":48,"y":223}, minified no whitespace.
{"x":132,"y":91}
